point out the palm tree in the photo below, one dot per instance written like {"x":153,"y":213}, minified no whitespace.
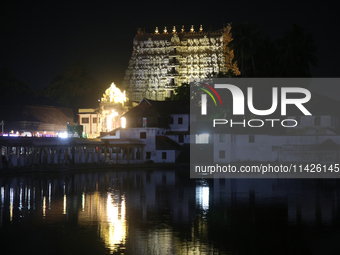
{"x":247,"y":39}
{"x":295,"y":52}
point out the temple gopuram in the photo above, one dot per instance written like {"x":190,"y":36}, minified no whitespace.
{"x":161,"y":61}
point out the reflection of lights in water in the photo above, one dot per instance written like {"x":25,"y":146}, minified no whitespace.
{"x":49,"y":196}
{"x":44,"y":207}
{"x":20,"y":198}
{"x":2,"y":196}
{"x":83,"y":201}
{"x":115,"y":232}
{"x":64,"y":205}
{"x":25,"y":195}
{"x":202,"y":196}
{"x":33,"y":198}
{"x":110,"y":212}
{"x":29,"y":199}
{"x":11,"y":204}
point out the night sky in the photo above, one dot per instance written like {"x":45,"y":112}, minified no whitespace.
{"x":39,"y":39}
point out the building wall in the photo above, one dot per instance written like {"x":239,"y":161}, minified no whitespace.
{"x":180,"y":122}
{"x":89,"y":122}
{"x":269,"y":148}
{"x":176,"y":138}
{"x":170,"y":156}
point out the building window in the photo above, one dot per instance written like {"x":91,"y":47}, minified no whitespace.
{"x":251,"y":139}
{"x":145,"y":122}
{"x":222,"y":138}
{"x":181,"y":138}
{"x":142,"y":135}
{"x":202,"y":138}
{"x":222,"y":154}
{"x":94,"y":120}
{"x":172,"y":80}
{"x":85,"y":120}
{"x":171,"y":120}
{"x":148,"y":155}
{"x":317,"y":120}
{"x":163,"y":155}
{"x":180,"y":120}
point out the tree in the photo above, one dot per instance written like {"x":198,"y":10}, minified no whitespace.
{"x":14,"y":91}
{"x":182,"y":92}
{"x":295,"y":53}
{"x":247,"y":39}
{"x":67,"y":86}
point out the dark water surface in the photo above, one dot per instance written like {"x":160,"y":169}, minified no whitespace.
{"x":165,"y":212}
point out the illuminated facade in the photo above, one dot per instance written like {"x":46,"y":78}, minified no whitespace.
{"x":107,"y":116}
{"x":162,"y":61}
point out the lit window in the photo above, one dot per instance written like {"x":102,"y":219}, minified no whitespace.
{"x":94,"y":120}
{"x":202,"y":138}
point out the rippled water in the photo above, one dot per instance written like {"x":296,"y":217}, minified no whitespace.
{"x":164,"y":212}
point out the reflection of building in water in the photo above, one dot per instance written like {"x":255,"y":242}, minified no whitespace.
{"x":110,"y":212}
{"x":107,"y":117}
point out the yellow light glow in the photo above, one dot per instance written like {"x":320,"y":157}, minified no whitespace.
{"x":110,"y":118}
{"x":114,"y":95}
{"x":64,"y":204}
{"x":44,"y":207}
{"x":123,"y":122}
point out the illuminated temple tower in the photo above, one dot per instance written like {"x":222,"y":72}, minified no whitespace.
{"x":161,"y":61}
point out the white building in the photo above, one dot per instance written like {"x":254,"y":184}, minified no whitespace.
{"x":163,"y":126}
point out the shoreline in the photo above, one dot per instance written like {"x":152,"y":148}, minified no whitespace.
{"x":48,"y":168}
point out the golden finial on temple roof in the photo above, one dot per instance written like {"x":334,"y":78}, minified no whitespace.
{"x":183,"y":29}
{"x":192,"y":29}
{"x":201,"y":28}
{"x":165,"y":30}
{"x":174,"y":29}
{"x":156,"y":31}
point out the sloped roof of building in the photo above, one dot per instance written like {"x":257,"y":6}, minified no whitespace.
{"x":328,"y":145}
{"x":165,"y":143}
{"x":43,"y":114}
{"x":159,"y":108}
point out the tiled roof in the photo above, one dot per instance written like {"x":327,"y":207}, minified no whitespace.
{"x":165,"y":143}
{"x":43,"y":114}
